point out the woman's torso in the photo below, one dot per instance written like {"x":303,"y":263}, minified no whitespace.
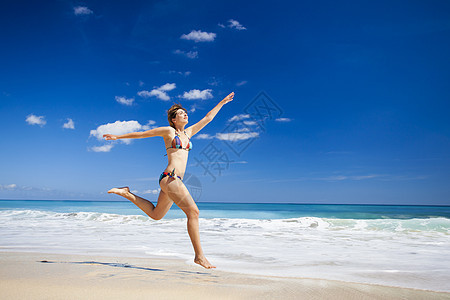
{"x":177,"y":157}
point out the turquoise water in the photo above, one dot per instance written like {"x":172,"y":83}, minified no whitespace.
{"x":244,"y":210}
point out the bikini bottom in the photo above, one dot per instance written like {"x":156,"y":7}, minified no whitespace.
{"x":170,"y":174}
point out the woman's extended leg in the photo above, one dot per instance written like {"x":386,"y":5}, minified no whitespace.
{"x":156,"y":213}
{"x":178,"y":192}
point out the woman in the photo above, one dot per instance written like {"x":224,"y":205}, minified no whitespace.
{"x":178,"y":144}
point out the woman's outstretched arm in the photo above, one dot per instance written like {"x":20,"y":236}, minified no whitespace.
{"x":160,"y":131}
{"x":210,"y":116}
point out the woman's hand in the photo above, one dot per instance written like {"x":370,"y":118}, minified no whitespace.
{"x":110,"y":137}
{"x":228,"y":98}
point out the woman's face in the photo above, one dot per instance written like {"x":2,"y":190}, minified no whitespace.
{"x":181,"y":117}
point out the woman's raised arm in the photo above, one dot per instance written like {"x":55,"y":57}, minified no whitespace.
{"x":159,"y":131}
{"x":210,"y":116}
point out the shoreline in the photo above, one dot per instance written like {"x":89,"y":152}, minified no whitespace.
{"x":33,"y":275}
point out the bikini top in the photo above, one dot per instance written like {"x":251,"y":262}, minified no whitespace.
{"x":176,"y":143}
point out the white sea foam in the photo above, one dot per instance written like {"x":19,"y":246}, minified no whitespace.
{"x":410,"y":253}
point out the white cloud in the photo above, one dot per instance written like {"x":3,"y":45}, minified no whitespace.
{"x":243,"y":129}
{"x":197,"y":94}
{"x":236,"y":25}
{"x":150,"y":125}
{"x":187,"y":73}
{"x":69,"y":124}
{"x":167,"y":87}
{"x":199,"y":36}
{"x":236,"y":136}
{"x":159,"y":92}
{"x":239,"y":117}
{"x":8,"y":187}
{"x":144,"y":94}
{"x":283,"y":119}
{"x":204,"y":136}
{"x":250,"y":123}
{"x":190,"y":54}
{"x":104,"y":148}
{"x":36,"y":120}
{"x":221,"y":25}
{"x":117,"y":128}
{"x":214,"y":81}
{"x":125,"y":101}
{"x":154,"y":192}
{"x":141,"y":83}
{"x":82,"y":10}
{"x":241,"y":82}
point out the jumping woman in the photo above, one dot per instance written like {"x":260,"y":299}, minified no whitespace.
{"x":177,"y":140}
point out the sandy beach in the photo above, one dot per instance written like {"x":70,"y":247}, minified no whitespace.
{"x":55,"y":276}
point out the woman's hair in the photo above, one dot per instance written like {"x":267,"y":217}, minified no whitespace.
{"x":172,"y":113}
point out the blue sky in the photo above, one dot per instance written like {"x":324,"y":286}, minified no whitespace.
{"x":361,"y":90}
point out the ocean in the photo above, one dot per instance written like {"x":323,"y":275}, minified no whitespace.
{"x":405,"y":246}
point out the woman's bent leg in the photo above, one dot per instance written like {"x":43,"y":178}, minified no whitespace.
{"x":156,"y":213}
{"x":178,"y":192}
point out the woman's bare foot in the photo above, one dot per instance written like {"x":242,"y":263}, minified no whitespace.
{"x":202,"y":261}
{"x":119,"y":191}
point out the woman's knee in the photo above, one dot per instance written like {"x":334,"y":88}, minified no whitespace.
{"x":192,"y":212}
{"x":157,"y":217}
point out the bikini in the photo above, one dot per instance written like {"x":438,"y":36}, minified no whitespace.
{"x":170,"y":174}
{"x":176,"y":144}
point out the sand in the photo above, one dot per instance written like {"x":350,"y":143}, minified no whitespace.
{"x":55,"y":276}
